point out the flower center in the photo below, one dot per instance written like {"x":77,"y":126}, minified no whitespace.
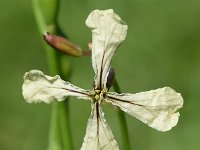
{"x":98,"y":95}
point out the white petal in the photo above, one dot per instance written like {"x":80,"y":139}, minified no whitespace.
{"x":157,"y":108}
{"x":98,"y":134}
{"x":108,"y":31}
{"x":38,"y":87}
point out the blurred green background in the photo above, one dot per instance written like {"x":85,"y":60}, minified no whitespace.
{"x":162,"y":49}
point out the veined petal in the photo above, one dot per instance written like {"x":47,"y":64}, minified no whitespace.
{"x":98,"y":134}
{"x":108,"y":31}
{"x":157,"y":108}
{"x":38,"y":87}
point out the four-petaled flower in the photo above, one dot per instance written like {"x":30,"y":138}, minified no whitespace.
{"x":157,"y":108}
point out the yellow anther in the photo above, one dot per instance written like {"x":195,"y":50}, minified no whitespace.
{"x":92,"y":93}
{"x":97,"y":97}
{"x":97,"y":91}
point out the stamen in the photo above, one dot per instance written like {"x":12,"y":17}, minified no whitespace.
{"x":97,"y":91}
{"x":97,"y":97}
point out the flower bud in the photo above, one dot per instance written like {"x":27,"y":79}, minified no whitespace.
{"x":62,"y":44}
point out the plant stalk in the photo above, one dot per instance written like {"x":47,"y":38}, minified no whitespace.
{"x":122,"y":121}
{"x":59,"y":134}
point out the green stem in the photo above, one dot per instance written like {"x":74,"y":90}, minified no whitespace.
{"x":122,"y":121}
{"x":59,"y":134}
{"x":54,"y":132}
{"x":64,"y":125}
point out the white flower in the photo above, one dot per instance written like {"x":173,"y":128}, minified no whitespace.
{"x":156,"y":108}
